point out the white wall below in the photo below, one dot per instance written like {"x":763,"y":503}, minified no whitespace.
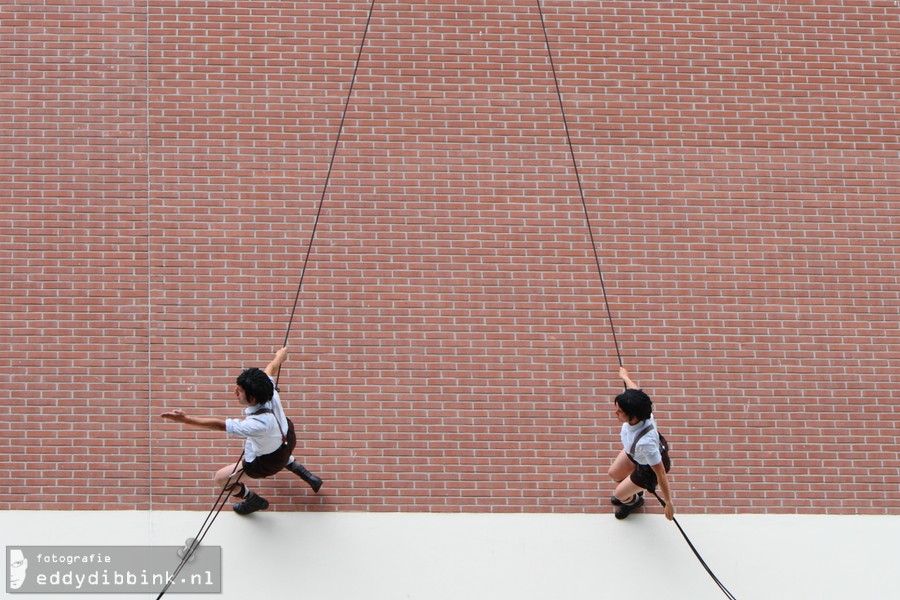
{"x":435,"y":556}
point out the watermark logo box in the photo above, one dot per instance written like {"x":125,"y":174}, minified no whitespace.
{"x":112,"y":569}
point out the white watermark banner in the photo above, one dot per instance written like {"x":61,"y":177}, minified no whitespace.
{"x":112,"y":569}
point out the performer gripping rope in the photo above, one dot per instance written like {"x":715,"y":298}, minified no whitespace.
{"x":269,"y":434}
{"x":643,"y":462}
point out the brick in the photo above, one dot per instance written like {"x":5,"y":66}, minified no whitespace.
{"x":451,"y":349}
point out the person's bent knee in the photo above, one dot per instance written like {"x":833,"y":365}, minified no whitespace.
{"x":618,"y":474}
{"x":224,"y":475}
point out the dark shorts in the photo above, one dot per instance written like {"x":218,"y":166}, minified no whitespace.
{"x":644,"y":476}
{"x":269,"y":464}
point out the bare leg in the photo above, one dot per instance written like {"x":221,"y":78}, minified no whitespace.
{"x":226,"y":473}
{"x":621,"y":467}
{"x":620,"y":472}
{"x":251,"y":501}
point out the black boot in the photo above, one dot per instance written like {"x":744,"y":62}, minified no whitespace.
{"x":252,"y":503}
{"x":314,"y":482}
{"x":624,"y":509}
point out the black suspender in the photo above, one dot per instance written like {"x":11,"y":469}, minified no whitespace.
{"x":663,"y":447}
{"x":637,"y":438}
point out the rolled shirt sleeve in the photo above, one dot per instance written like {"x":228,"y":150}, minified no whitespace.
{"x":246,"y":427}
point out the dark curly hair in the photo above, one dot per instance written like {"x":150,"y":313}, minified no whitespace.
{"x":256,"y":384}
{"x":635,"y":403}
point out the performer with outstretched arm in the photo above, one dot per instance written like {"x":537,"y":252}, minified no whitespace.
{"x":269,"y":434}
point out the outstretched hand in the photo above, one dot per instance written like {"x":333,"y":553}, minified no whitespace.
{"x":176,"y":415}
{"x":202,"y":422}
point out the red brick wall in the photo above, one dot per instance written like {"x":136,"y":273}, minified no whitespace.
{"x":161,"y":169}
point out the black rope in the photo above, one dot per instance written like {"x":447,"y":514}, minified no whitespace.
{"x":696,"y":553}
{"x":334,"y":150}
{"x":587,"y":215}
{"x":236,"y":473}
{"x":587,"y":218}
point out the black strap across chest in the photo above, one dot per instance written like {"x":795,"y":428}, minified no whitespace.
{"x":638,"y":437}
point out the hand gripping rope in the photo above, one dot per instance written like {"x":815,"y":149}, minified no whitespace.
{"x":235,"y":476}
{"x":587,"y":219}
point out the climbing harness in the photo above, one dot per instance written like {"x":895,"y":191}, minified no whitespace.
{"x":237,"y":472}
{"x":600,"y":269}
